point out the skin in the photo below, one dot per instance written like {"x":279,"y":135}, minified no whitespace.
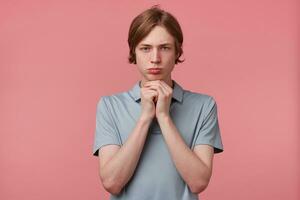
{"x":117,"y":164}
{"x":156,"y":50}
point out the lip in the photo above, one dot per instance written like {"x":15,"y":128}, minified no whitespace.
{"x":154,"y":70}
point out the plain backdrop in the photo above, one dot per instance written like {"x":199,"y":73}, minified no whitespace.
{"x":57,"y":58}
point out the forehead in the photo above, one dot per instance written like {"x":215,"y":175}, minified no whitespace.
{"x":158,"y":35}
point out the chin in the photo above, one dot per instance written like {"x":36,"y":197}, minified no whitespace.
{"x":153,"y":78}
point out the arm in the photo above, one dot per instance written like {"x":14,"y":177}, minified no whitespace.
{"x":195,"y":167}
{"x":117,"y":164}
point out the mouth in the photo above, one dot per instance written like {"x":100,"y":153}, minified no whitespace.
{"x":154,"y":71}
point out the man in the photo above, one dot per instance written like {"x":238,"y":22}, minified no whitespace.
{"x":157,"y":140}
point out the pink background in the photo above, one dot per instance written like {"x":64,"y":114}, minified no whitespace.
{"x":58,"y":57}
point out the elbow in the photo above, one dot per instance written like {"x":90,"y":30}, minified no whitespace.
{"x":199,"y":187}
{"x":109,"y":183}
{"x":112,"y":186}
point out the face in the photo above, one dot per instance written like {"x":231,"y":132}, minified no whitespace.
{"x":156,"y":50}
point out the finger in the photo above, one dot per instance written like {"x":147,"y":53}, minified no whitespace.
{"x":164,"y":89}
{"x":148,"y":82}
{"x":153,"y":95}
{"x":161,"y":92}
{"x":155,"y":82}
{"x":166,"y":86}
{"x":148,"y":88}
{"x":158,"y":89}
{"x":153,"y":87}
{"x":162,"y":84}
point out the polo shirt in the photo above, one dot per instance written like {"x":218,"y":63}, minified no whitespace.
{"x":156,"y":177}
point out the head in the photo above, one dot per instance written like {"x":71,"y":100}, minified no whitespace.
{"x":155,"y":41}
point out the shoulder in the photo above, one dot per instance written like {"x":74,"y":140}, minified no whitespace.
{"x":204,"y":99}
{"x":204,"y":103}
{"x":113,"y":99}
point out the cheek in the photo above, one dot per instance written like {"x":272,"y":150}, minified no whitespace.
{"x":137,"y":59}
{"x":171,"y":58}
{"x":141,"y":59}
{"x":170,"y":55}
{"x":140,"y":63}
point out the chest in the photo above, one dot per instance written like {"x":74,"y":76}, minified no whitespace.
{"x":185,"y":119}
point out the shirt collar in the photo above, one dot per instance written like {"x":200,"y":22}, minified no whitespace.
{"x":177,"y":91}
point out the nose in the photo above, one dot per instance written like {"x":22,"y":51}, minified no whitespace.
{"x":155,"y":57}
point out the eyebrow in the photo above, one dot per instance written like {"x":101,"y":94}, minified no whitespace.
{"x":163,"y":44}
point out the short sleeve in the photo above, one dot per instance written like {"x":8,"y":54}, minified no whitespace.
{"x":209,"y":132}
{"x":105,"y":131}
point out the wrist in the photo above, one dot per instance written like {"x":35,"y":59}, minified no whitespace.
{"x":145,"y":119}
{"x":163,"y":117}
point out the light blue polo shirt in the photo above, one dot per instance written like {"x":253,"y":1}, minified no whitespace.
{"x":156,"y":177}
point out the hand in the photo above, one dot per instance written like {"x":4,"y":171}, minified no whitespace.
{"x":148,"y":96}
{"x":164,"y":98}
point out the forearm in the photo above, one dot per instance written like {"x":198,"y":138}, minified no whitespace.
{"x":121,"y":167}
{"x":191,"y":168}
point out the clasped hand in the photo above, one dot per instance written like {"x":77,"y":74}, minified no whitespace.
{"x":164,"y":97}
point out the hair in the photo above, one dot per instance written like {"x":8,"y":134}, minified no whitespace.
{"x":143,"y":24}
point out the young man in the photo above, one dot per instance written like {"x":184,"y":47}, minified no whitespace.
{"x":157,"y":140}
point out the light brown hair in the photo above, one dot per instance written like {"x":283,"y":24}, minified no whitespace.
{"x":142,"y":25}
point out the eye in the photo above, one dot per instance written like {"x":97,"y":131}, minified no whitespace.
{"x":166,"y":48}
{"x":145,"y":48}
